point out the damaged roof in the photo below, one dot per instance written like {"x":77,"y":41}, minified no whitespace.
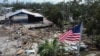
{"x":26,"y":12}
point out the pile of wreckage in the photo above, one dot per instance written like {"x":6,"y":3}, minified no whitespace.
{"x":20,"y":40}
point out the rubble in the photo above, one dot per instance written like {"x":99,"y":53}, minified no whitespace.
{"x":19,"y":51}
{"x":19,"y":40}
{"x":23,"y":41}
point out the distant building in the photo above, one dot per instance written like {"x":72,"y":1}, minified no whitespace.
{"x":30,"y":17}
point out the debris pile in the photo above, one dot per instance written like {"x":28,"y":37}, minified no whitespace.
{"x":19,"y":40}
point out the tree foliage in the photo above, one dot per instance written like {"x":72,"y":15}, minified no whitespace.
{"x":60,"y":12}
{"x":49,"y":48}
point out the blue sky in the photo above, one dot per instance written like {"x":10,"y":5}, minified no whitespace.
{"x":39,"y":1}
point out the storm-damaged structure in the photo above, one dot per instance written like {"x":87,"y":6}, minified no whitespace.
{"x":31,"y":17}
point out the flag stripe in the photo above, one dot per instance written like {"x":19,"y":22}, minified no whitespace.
{"x":64,"y":36}
{"x":71,"y":35}
{"x":72,"y":39}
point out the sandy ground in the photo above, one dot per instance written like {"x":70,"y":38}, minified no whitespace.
{"x":6,"y":46}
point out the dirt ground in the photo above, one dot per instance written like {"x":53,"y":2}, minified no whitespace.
{"x":13,"y":39}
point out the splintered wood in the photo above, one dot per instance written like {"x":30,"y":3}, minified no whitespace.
{"x":21,"y":38}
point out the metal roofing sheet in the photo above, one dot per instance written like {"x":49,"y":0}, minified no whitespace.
{"x":26,"y":12}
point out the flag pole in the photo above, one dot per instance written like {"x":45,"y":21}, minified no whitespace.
{"x":81,"y":28}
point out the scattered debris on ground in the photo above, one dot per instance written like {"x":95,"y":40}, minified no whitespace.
{"x":18,"y":40}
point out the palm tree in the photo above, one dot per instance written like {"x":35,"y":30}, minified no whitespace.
{"x":49,"y":48}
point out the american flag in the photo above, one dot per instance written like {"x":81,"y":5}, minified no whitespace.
{"x":71,"y":35}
